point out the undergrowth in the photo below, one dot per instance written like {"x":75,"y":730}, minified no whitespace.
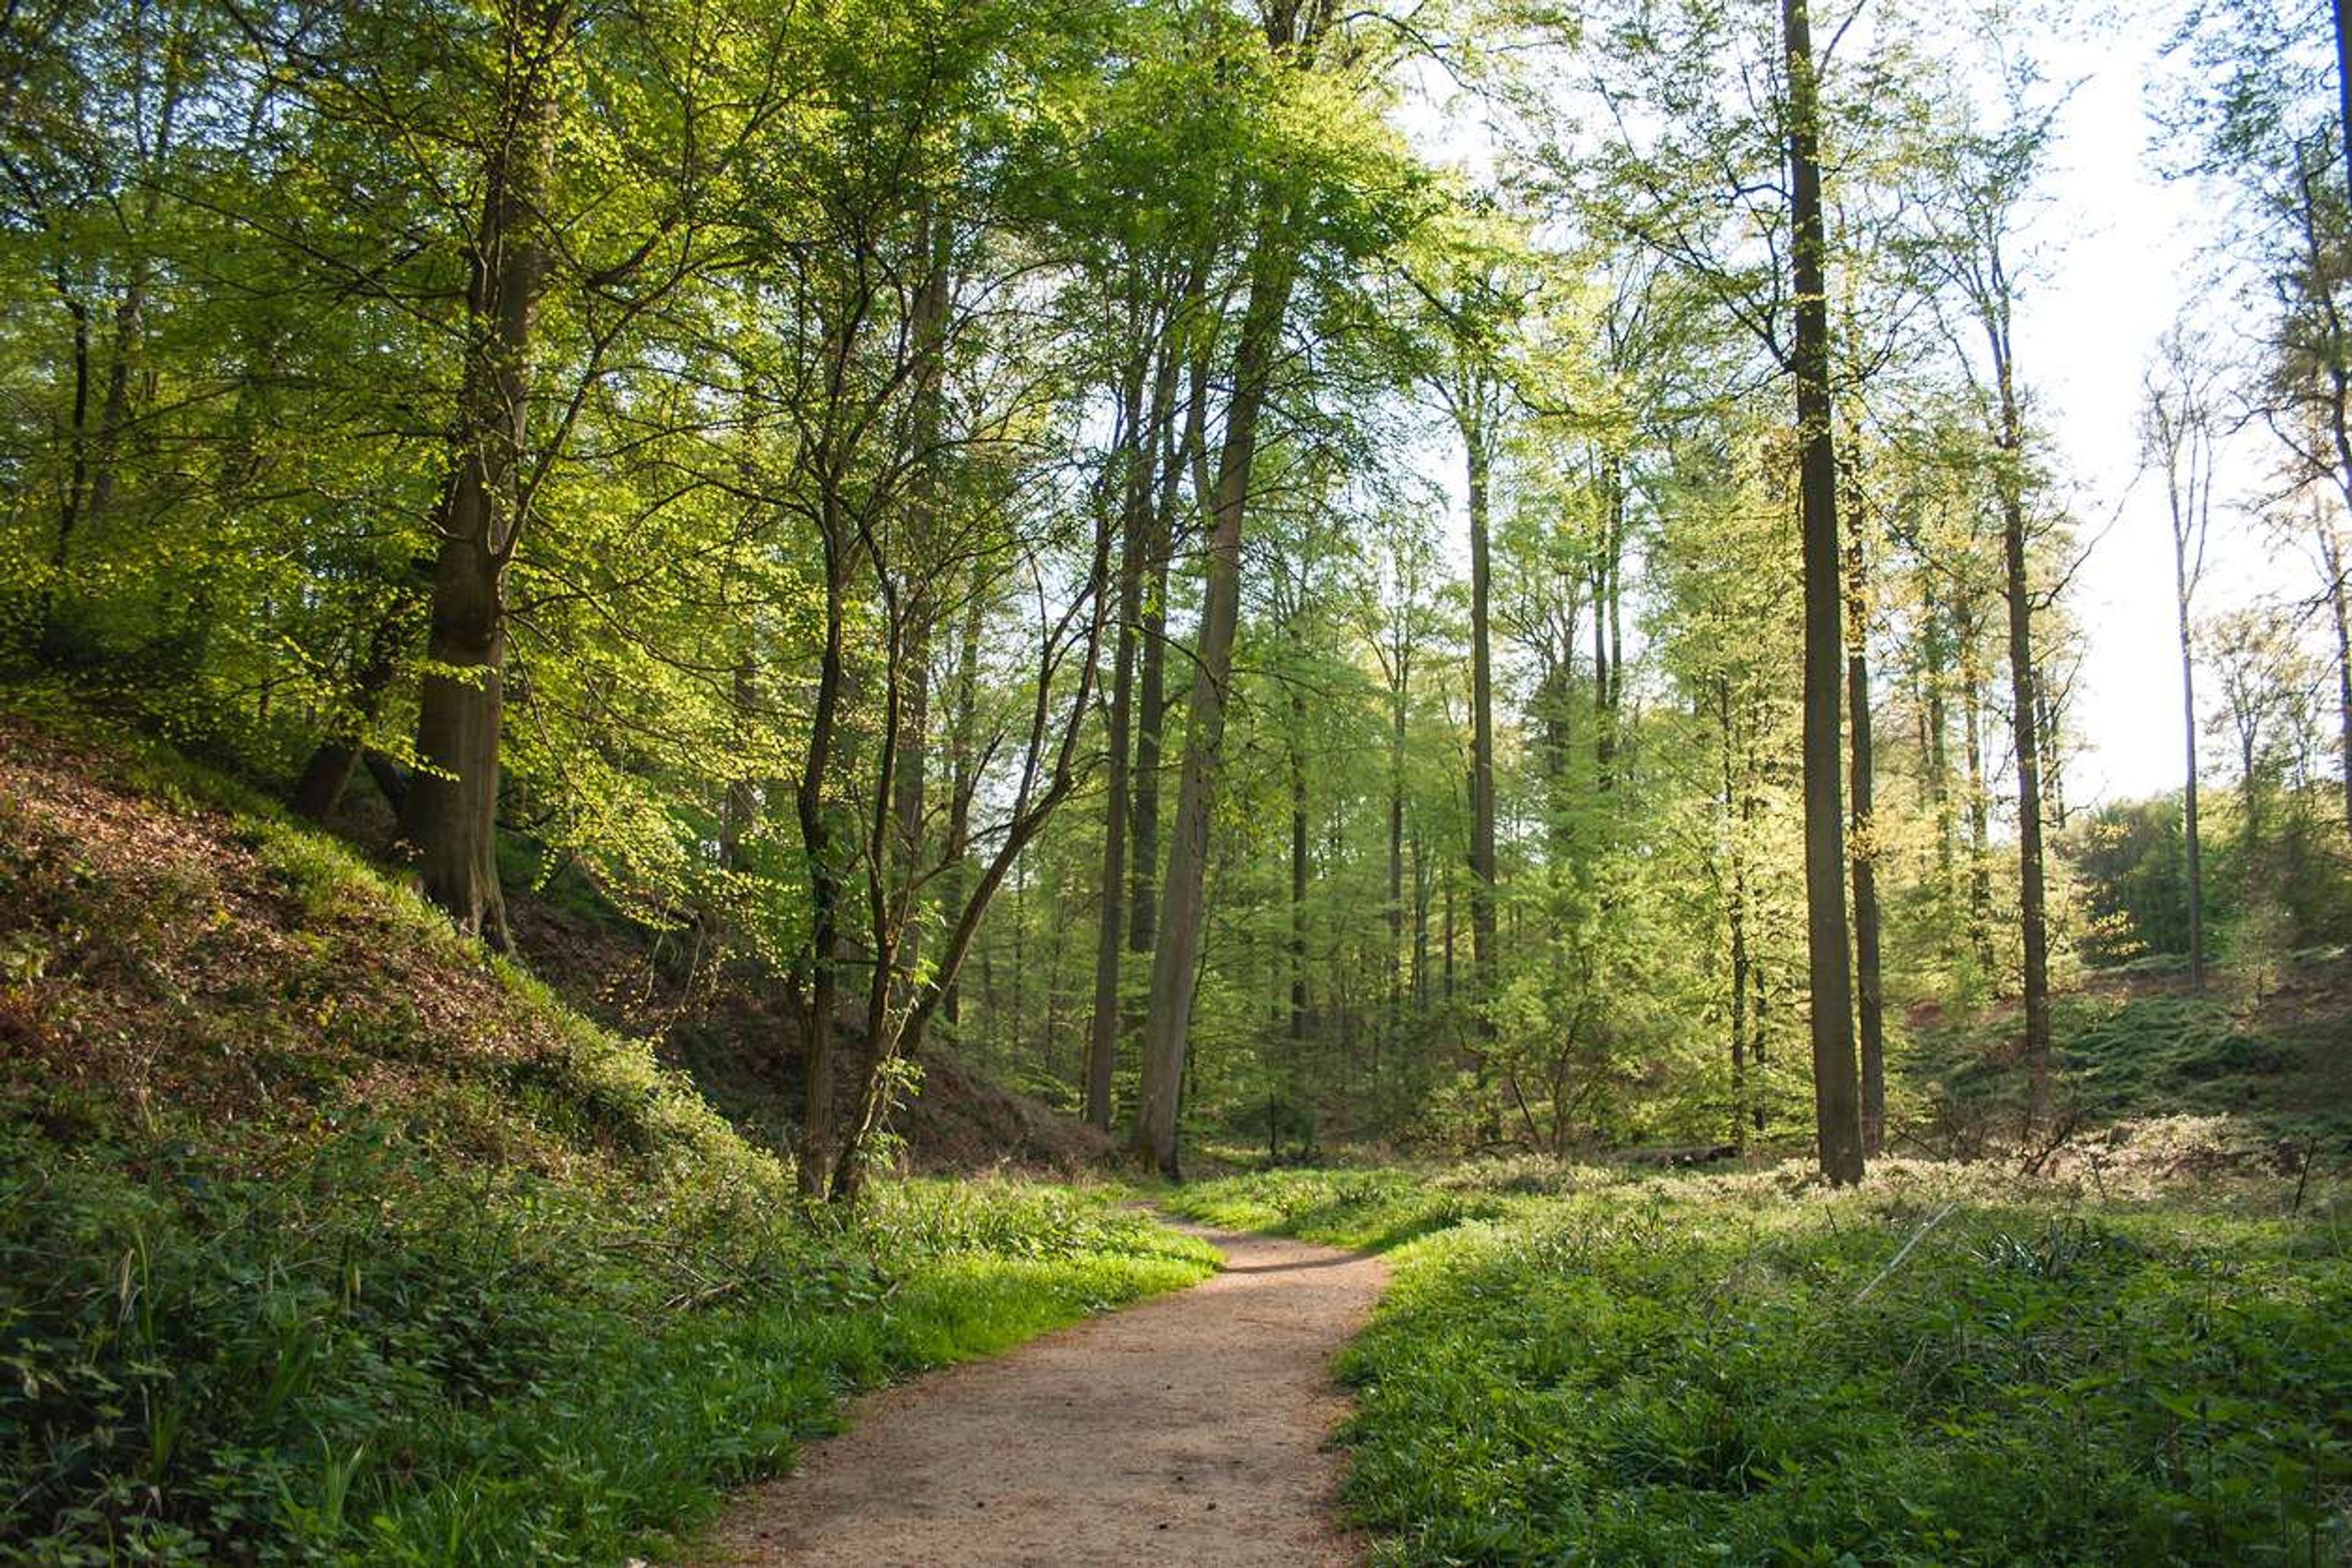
{"x":326,"y":1238}
{"x":1577,"y":1365}
{"x":2277,"y":1060}
{"x":361,"y":1359}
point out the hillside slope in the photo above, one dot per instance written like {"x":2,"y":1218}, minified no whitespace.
{"x":733,"y":1028}
{"x":323,"y":1237}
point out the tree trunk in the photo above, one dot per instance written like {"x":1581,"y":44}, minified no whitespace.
{"x":329,"y":771}
{"x":911,"y":669}
{"x":114,"y":413}
{"x":2331,"y":555}
{"x":1936,"y":747}
{"x":739,"y":805}
{"x":2021,"y":684}
{"x":961,"y":764}
{"x":1446,"y":934}
{"x":1736,"y":915}
{"x":1836,"y":1099}
{"x":453,"y":801}
{"x":1398,"y":698}
{"x":1608,"y":637}
{"x":2190,"y":843}
{"x":1980,"y":824}
{"x":818,"y":1146}
{"x":2338,"y":406}
{"x":2343,"y":93}
{"x":1869,"y":993}
{"x":1174,"y":968}
{"x":452,"y":816}
{"x":1297,"y":875}
{"x":1102,"y":1030}
{"x":1482,"y":721}
{"x":1151,"y":686}
{"x":69,"y":504}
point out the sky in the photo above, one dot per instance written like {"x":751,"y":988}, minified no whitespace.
{"x":2122,"y":247}
{"x":2115,"y":253}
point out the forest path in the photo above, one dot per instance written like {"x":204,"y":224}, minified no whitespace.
{"x":1190,"y":1429}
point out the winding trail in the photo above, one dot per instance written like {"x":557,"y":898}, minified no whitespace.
{"x":1189,"y":1429}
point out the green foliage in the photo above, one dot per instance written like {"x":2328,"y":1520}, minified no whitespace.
{"x":367,"y":1357}
{"x":1739,"y":1369}
{"x":2278,"y":882}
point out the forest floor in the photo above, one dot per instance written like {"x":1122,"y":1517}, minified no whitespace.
{"x":1192,"y":1427}
{"x":1963,"y":1365}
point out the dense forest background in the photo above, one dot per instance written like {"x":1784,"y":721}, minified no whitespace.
{"x":1057,"y":538}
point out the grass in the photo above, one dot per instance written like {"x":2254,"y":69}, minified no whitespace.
{"x":363,"y":1360}
{"x":1576,"y":1365}
{"x":324,"y":1237}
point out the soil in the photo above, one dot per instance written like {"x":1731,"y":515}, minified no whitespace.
{"x":1191,"y":1428}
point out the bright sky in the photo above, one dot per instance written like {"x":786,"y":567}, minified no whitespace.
{"x":2123,"y":260}
{"x":2115,"y":250}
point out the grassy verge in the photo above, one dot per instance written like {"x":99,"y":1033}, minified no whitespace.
{"x":1582,"y":1366}
{"x":325,"y":1239}
{"x":359,"y":1359}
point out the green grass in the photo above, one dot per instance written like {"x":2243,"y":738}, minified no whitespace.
{"x":1577,"y":1366}
{"x":361,"y":1359}
{"x":326,"y":1238}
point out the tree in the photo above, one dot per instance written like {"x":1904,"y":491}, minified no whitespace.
{"x":1273,"y":270}
{"x":1299,"y":45}
{"x":1469,"y":295}
{"x":1987,"y":175}
{"x":1837,"y":1105}
{"x":2179,"y":436}
{"x":451,"y":813}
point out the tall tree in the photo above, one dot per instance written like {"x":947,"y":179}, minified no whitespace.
{"x":2178,"y":436}
{"x":1307,"y":195}
{"x":1168,"y":1021}
{"x":452,"y":809}
{"x":1836,"y":1092}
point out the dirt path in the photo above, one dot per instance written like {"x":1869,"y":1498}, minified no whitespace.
{"x":1187,"y":1429}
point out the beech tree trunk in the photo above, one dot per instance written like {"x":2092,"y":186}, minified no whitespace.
{"x":452,"y":810}
{"x":818,"y":1141}
{"x":69,"y":504}
{"x":1297,"y":760}
{"x":1608,"y":637}
{"x":2192,"y":848}
{"x":1482,"y":720}
{"x":1142,"y":434}
{"x":329,"y":771}
{"x":1736,"y":916}
{"x":2022,"y":685}
{"x":1151,"y":682}
{"x":911,"y":669}
{"x":1836,"y":1099}
{"x":1398,"y":697}
{"x":739,"y":808}
{"x":961,"y":764}
{"x":1935,"y":745}
{"x":1869,"y":992}
{"x":2331,"y":556}
{"x":2343,"y":93}
{"x":1979,"y":814}
{"x":1174,"y":968}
